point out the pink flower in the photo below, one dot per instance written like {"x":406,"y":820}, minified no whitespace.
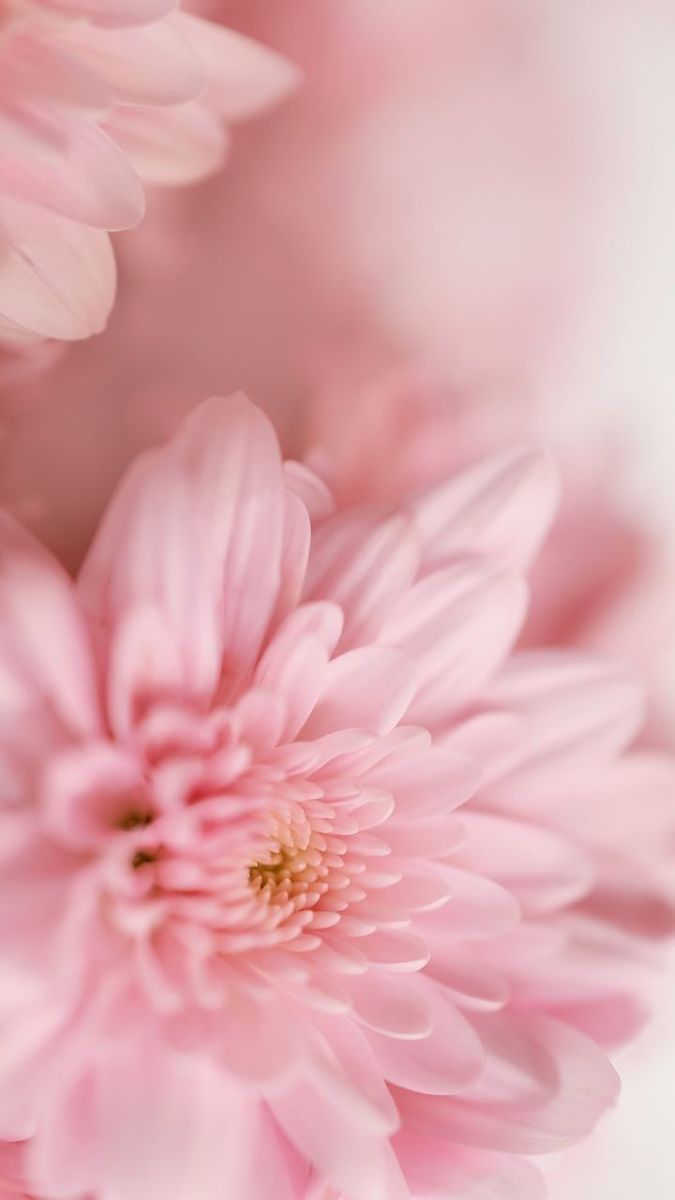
{"x":98,"y":97}
{"x":281,"y":913}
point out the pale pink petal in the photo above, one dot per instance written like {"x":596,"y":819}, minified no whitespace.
{"x":345,"y":1070}
{"x":88,"y":180}
{"x":545,"y":1086}
{"x":365,"y":564}
{"x":541,"y":868}
{"x":169,"y":146}
{"x":113,"y":12}
{"x":478,"y":907}
{"x":587,"y":706}
{"x":395,"y":949}
{"x":370,"y":687}
{"x":447,"y":1060}
{"x":58,"y":277}
{"x":43,"y":640}
{"x":196,"y":530}
{"x":362,"y":1166}
{"x":314,"y":493}
{"x":261,"y":1038}
{"x":148,"y":64}
{"x":431,"y":782}
{"x":391,"y":1004}
{"x":436,"y":1168}
{"x":295,"y":554}
{"x":502,"y":507}
{"x":458,"y":625}
{"x":168,"y":1129}
{"x":294,"y":663}
{"x":244,"y":78}
{"x":471,"y":983}
{"x":88,"y":795}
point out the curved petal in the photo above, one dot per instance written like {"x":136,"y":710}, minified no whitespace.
{"x":447,"y":1060}
{"x":545,"y":1086}
{"x":196,"y":531}
{"x":87,"y":180}
{"x":244,"y":78}
{"x":45,"y":656}
{"x":501,"y":508}
{"x":182,"y":143}
{"x":439,"y":1168}
{"x":457,"y":625}
{"x":349,"y":1157}
{"x":365,"y":564}
{"x":369,"y":688}
{"x":57,"y":277}
{"x":572,"y":704}
{"x":148,"y":64}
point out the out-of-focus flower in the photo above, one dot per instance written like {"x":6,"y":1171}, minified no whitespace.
{"x":98,"y":97}
{"x":281,"y":911}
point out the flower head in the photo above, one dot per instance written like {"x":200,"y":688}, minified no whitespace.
{"x":98,"y":97}
{"x":279,"y":912}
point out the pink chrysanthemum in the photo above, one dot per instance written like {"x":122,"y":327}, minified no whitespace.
{"x":279,"y":916}
{"x":98,"y":97}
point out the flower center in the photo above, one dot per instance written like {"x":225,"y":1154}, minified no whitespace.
{"x":291,"y":865}
{"x":135,"y":819}
{"x":288,"y":872}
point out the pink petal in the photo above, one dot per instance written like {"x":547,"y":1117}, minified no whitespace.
{"x":113,"y":12}
{"x":57,"y":277}
{"x":244,"y":78}
{"x":314,"y":493}
{"x":572,"y":705}
{"x":161,"y":1126}
{"x":502,"y":507}
{"x":542,"y":869}
{"x":369,"y":688}
{"x":195,"y":530}
{"x":394,"y":1005}
{"x":149,"y":64}
{"x":458,"y":626}
{"x":88,"y":180}
{"x":43,"y":640}
{"x":424,"y":839}
{"x":345,"y":1070}
{"x":478,"y":907}
{"x":429,"y":783}
{"x":364,"y":564}
{"x":362,"y":1166}
{"x":471,"y":983}
{"x":545,"y":1087}
{"x":447,"y":1060}
{"x":397,"y":950}
{"x":294,"y":664}
{"x":182,"y":143}
{"x":144,"y":663}
{"x":88,"y":791}
{"x":294,"y":556}
{"x":440,"y":1168}
{"x":261,"y":1038}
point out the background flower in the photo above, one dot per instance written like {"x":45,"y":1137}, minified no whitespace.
{"x":97,"y":98}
